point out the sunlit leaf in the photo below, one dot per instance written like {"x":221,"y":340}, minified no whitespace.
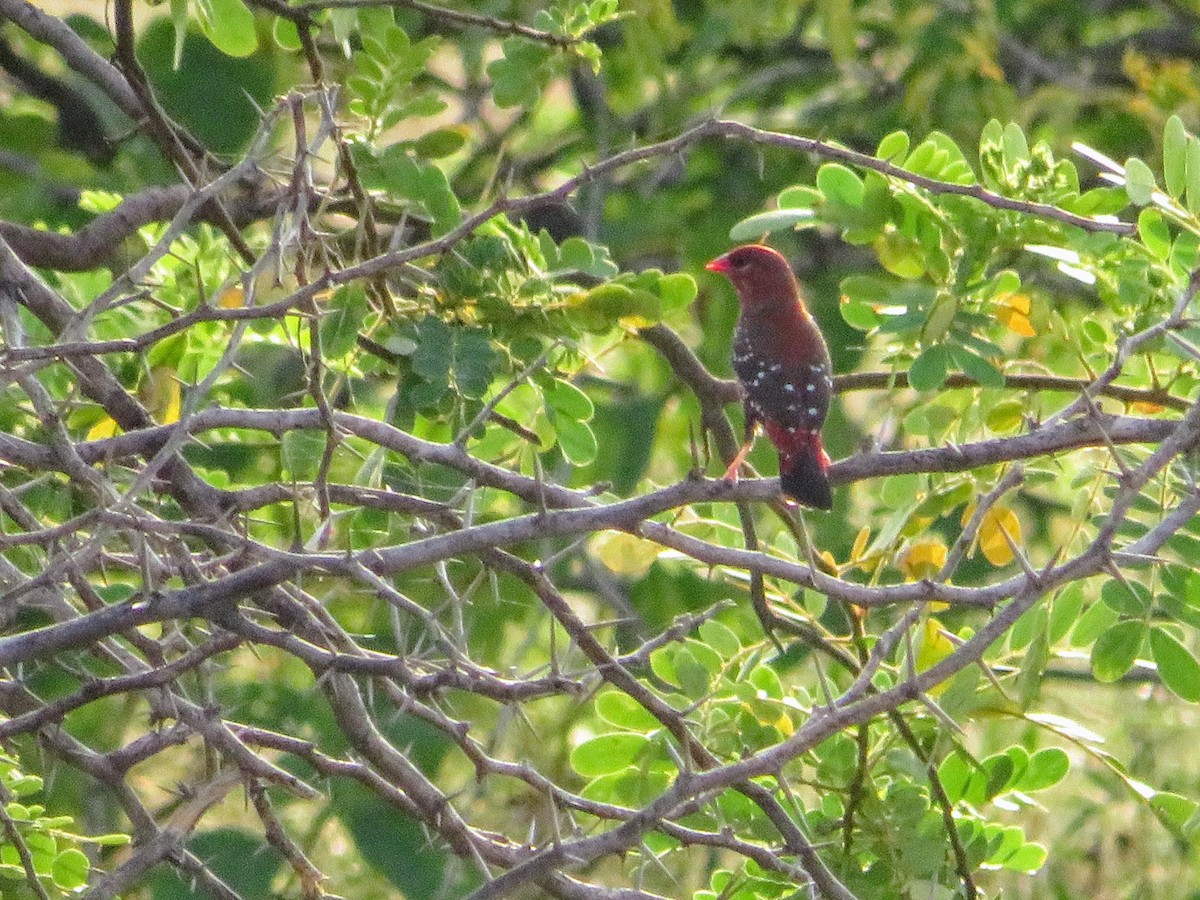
{"x":229,"y":24}
{"x":607,"y":753}
{"x":623,"y":711}
{"x":1139,"y":181}
{"x":997,"y":522}
{"x":1175,"y":140}
{"x":161,"y":394}
{"x":755,"y":226}
{"x":893,"y":146}
{"x":932,"y":644}
{"x":923,"y":559}
{"x":1012,"y":311}
{"x":1046,"y":768}
{"x":106,"y":427}
{"x":70,"y":869}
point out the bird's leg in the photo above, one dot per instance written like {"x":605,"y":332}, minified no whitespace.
{"x":731,"y":473}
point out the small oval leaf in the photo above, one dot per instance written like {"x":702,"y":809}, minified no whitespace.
{"x":1116,"y":649}
{"x":1178,"y":668}
{"x":1139,"y":181}
{"x":607,"y":753}
{"x":765,"y":223}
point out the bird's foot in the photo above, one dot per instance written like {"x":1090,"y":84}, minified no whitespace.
{"x":731,"y":473}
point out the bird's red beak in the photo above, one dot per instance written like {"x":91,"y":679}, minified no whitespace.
{"x":720,"y":264}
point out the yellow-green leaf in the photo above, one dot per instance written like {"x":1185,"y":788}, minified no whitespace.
{"x":923,"y":559}
{"x":998,"y":521}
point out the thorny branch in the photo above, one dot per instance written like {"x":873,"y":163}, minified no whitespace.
{"x":219,"y":589}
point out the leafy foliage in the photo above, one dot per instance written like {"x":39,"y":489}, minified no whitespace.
{"x":41,"y":844}
{"x":354,"y":517}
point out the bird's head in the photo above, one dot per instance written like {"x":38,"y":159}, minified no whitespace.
{"x":761,"y":276}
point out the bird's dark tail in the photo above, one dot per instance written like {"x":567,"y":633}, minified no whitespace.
{"x":802,"y":472}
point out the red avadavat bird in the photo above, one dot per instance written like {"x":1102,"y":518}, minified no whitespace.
{"x":783,"y":364}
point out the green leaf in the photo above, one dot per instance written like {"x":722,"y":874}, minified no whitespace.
{"x":229,"y":24}
{"x":284,"y":33}
{"x":1028,"y":858}
{"x":1175,"y":811}
{"x":1182,"y":597}
{"x":837,"y":760}
{"x":662,"y":664}
{"x":1139,"y":181}
{"x":1064,"y":612}
{"x":516,"y":76}
{"x":998,"y":771}
{"x":343,"y":320}
{"x":435,"y":350}
{"x":111,"y":840}
{"x":179,"y":21}
{"x":300,"y":453}
{"x":978,"y":368}
{"x":677,"y":291}
{"x":840,"y":185}
{"x":1115,"y":650}
{"x":900,"y":255}
{"x":940,"y":318}
{"x":858,"y":315}
{"x":1046,"y":768}
{"x":721,"y":639}
{"x":693,"y":676}
{"x":462,"y":353}
{"x":893,"y":146}
{"x":1127,"y":598}
{"x":608,"y":753}
{"x":440,"y":142}
{"x":1153,"y":230}
{"x":798,"y":196}
{"x":1178,"y":668}
{"x":1193,"y":175}
{"x":70,"y":870}
{"x":871,"y":290}
{"x":417,"y":180}
{"x":928,"y":371}
{"x":576,"y":254}
{"x":1016,"y":147}
{"x":223,"y":106}
{"x":475,"y":361}
{"x":954,"y":773}
{"x":1006,"y":416}
{"x":1096,"y":620}
{"x":576,"y":440}
{"x":1175,"y":145}
{"x":590,"y":259}
{"x":622,"y":711}
{"x":756,"y":226}
{"x":1026,"y":627}
{"x":1003,"y":842}
{"x":567,"y":400}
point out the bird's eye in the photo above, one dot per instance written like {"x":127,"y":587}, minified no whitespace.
{"x":740,"y":263}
